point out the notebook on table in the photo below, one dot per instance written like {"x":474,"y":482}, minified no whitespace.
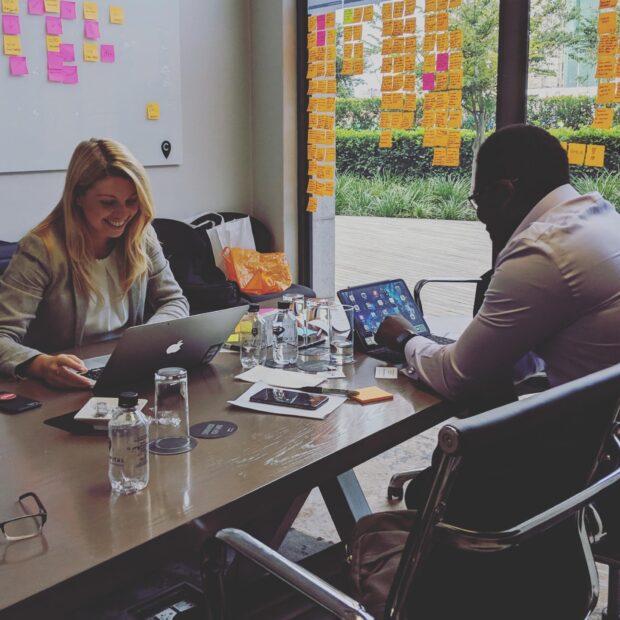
{"x":372,"y":303}
{"x":143,"y":349}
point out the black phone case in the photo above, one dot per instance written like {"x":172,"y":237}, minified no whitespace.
{"x":266,"y":401}
{"x":18,"y":404}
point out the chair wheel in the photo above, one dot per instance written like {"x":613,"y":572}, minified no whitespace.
{"x":395,"y":493}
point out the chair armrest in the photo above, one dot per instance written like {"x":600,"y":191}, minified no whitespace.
{"x":297,"y":577}
{"x":497,"y":541}
{"x":440,"y":279}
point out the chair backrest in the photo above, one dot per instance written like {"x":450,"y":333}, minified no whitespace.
{"x":262,"y":237}
{"x":497,"y":470}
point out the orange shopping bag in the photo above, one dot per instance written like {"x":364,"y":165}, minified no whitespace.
{"x":257,"y":273}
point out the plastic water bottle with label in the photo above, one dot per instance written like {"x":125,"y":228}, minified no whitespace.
{"x":253,"y":340}
{"x":128,"y":431}
{"x":284,"y":332}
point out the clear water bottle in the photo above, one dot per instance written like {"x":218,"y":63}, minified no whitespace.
{"x":284,"y":336}
{"x":128,"y":430}
{"x":253,"y":341}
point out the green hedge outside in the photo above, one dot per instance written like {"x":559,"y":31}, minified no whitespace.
{"x":358,"y":152}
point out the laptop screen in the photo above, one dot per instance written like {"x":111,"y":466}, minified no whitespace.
{"x":373,"y":302}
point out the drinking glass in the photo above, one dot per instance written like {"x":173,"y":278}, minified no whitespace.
{"x":341,"y":334}
{"x":171,"y":428}
{"x":314,"y":354}
{"x":298,"y":308}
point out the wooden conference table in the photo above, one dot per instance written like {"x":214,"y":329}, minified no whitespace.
{"x":93,"y":540}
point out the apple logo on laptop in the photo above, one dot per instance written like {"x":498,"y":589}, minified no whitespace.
{"x":174,"y":348}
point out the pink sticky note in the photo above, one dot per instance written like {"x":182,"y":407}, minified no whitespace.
{"x":320,"y":38}
{"x":67,"y":10}
{"x":67,"y":52}
{"x":442,"y":61}
{"x":55,"y":75}
{"x":91,"y":29}
{"x":320,"y":22}
{"x":54,"y":60}
{"x":428,"y":81}
{"x":18,"y":65}
{"x":10,"y":24}
{"x":107,"y":53}
{"x":70,"y":75}
{"x":36,"y":7}
{"x":53,"y":25}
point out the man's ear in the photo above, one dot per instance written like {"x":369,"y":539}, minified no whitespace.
{"x":503,"y":192}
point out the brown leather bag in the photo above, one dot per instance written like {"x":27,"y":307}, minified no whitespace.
{"x":377,"y":543}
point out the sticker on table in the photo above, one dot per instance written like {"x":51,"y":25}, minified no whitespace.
{"x":213,"y":429}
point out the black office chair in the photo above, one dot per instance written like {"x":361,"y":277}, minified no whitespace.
{"x":502,"y":534}
{"x":263,"y":240}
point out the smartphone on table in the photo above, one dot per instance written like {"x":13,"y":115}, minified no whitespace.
{"x":288,"y":398}
{"x":13,"y":403}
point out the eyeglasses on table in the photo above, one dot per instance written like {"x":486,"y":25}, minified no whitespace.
{"x":28,"y":525}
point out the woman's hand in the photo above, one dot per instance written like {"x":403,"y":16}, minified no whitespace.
{"x":60,"y":371}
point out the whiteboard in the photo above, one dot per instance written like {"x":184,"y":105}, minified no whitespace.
{"x":41,"y":122}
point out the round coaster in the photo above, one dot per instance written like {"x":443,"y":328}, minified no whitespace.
{"x":213,"y":429}
{"x":272,"y":364}
{"x":172,"y":445}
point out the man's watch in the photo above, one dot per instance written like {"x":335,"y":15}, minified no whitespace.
{"x":403,"y":339}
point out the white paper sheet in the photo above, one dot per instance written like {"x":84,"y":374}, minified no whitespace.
{"x":321,"y":413}
{"x":280,"y":378}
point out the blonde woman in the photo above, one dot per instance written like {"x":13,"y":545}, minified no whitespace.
{"x":92,"y":267}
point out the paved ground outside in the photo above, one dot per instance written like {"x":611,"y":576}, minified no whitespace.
{"x":370,"y":249}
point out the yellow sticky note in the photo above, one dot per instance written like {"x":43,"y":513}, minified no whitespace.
{"x":357,"y":32}
{"x":312,"y":168}
{"x":454,"y":4}
{"x":399,"y":8}
{"x":430,"y":23}
{"x":617,"y":97}
{"x":455,"y":61}
{"x":313,"y":204}
{"x":398,"y":45}
{"x":456,"y":79}
{"x":607,"y":43}
{"x":330,"y":37}
{"x":330,"y":20}
{"x":428,"y":65}
{"x":455,"y":119}
{"x":52,"y":6}
{"x":455,"y":98}
{"x":385,"y":140}
{"x":12,"y":45}
{"x":386,"y":11}
{"x":91,"y":10}
{"x":358,"y":12}
{"x":454,"y":139}
{"x":347,"y":66}
{"x":605,"y":66}
{"x":406,"y":121}
{"x":576,"y":153}
{"x":605,"y":92}
{"x":441,"y":80}
{"x":439,"y":157}
{"x":10,"y":6}
{"x":607,"y":4}
{"x":452,"y":157}
{"x":428,"y":121}
{"x":456,"y":39}
{"x":91,"y":52}
{"x":442,"y":5}
{"x":410,"y":7}
{"x":386,"y":64}
{"x":603,"y":118}
{"x":595,"y":155}
{"x":410,"y":45}
{"x":410,"y":63}
{"x":117,"y":15}
{"x":441,"y":119}
{"x":442,"y":22}
{"x":564,"y":145}
{"x":410,"y":25}
{"x":409,"y":83}
{"x":398,"y":64}
{"x":368,"y":12}
{"x":311,"y":189}
{"x":410,"y":102}
{"x":152,"y":111}
{"x":398,"y":27}
{"x":443,"y":42}
{"x":430,"y":6}
{"x":52,"y":42}
{"x":311,"y":23}
{"x":388,"y":28}
{"x":607,"y":22}
{"x":428,"y":43}
{"x":358,"y":67}
{"x":397,"y":82}
{"x":330,"y":154}
{"x":430,"y":137}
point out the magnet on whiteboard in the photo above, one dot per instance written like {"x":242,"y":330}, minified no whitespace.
{"x":166,"y":147}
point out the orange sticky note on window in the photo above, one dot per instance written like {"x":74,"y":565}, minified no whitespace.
{"x":455,"y":119}
{"x":439,"y":157}
{"x":368,"y":395}
{"x":410,"y":25}
{"x":607,"y":4}
{"x":385,"y":140}
{"x":456,"y":39}
{"x":313,"y":203}
{"x":576,"y":153}
{"x":603,"y":118}
{"x":152,"y":111}
{"x":605,"y":92}
{"x":595,"y":155}
{"x":367,"y":13}
{"x":428,"y":43}
{"x":605,"y":66}
{"x":607,"y":22}
{"x":443,"y":42}
{"x":442,"y":22}
{"x":607,"y":44}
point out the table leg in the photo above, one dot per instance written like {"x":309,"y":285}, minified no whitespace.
{"x":345,"y":501}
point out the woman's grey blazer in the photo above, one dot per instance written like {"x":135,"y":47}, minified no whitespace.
{"x":40,"y":310}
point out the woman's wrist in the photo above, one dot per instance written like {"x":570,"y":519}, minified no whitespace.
{"x":31,"y":367}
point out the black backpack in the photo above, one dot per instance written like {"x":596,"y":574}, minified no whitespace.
{"x":194,"y":268}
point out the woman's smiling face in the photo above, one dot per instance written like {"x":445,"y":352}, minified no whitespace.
{"x":108,"y":206}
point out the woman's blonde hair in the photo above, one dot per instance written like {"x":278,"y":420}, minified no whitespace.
{"x":92,"y":161}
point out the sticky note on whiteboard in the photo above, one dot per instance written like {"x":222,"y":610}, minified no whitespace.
{"x":53,"y":24}
{"x":152,"y":111}
{"x":91,"y":52}
{"x":91,"y":10}
{"x":36,"y":7}
{"x":107,"y":53}
{"x":52,"y":43}
{"x":12,"y":45}
{"x":10,"y":6}
{"x":52,"y":6}
{"x":67,"y":9}
{"x":117,"y":15}
{"x":91,"y":29}
{"x":18,"y":65}
{"x":10,"y":24}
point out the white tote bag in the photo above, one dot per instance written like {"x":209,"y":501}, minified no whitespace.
{"x":233,"y":234}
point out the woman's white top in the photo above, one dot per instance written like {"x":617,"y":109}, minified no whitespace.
{"x":113,"y":313}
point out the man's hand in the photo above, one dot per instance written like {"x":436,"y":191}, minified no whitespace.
{"x":59,"y":371}
{"x":392,"y":331}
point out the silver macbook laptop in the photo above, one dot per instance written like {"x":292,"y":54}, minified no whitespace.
{"x":143,"y":349}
